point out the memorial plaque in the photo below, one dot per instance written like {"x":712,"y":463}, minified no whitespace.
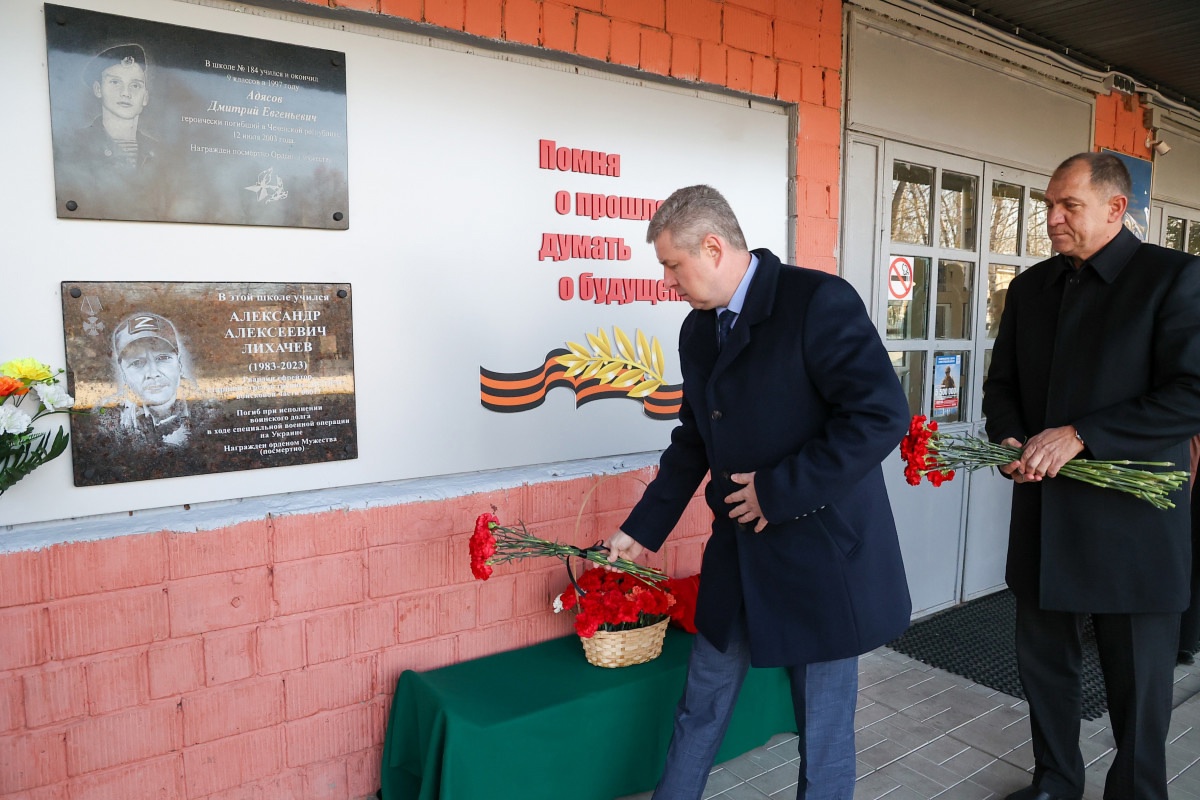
{"x":165,"y":123}
{"x":192,"y":378}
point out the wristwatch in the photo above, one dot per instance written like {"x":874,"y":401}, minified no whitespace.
{"x":1079,"y":436}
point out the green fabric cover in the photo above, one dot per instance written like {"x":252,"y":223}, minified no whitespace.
{"x":541,"y":722}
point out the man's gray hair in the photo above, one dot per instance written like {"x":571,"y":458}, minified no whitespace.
{"x":692,"y":213}
{"x":1108,"y":173}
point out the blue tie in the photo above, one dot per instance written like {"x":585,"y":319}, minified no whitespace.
{"x":724,"y":324}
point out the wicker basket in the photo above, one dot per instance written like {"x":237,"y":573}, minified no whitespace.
{"x":625,"y":648}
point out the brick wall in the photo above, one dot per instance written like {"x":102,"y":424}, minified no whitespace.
{"x":259,"y":660}
{"x":1120,"y":126}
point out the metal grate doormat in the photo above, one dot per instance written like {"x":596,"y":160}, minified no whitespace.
{"x":976,"y":640}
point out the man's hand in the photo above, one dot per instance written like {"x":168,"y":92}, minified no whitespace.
{"x":746,"y":509}
{"x":622,"y":545}
{"x":1043,"y":455}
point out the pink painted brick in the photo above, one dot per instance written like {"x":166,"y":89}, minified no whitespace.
{"x":542,"y":627}
{"x":309,"y":535}
{"x":57,"y":792}
{"x":160,"y":778}
{"x":315,"y":583}
{"x":326,"y":781}
{"x":375,"y":626}
{"x":12,"y":701}
{"x":31,"y":760}
{"x":229,"y":656}
{"x":24,"y":637}
{"x":111,"y":621}
{"x":120,"y":681}
{"x":417,"y":616}
{"x":329,"y":687}
{"x":281,"y":646}
{"x":55,"y":693}
{"x":420,"y":657}
{"x":287,"y":785}
{"x":231,"y":762}
{"x":176,"y":667}
{"x":535,"y":591}
{"x":398,"y":569}
{"x":488,"y":641}
{"x":229,"y":710}
{"x":496,"y":599}
{"x":458,"y":609}
{"x":221,"y":550}
{"x":123,"y":738}
{"x":556,"y":500}
{"x":223,"y":600}
{"x":404,"y":524}
{"x":22,"y":576}
{"x":328,"y":637}
{"x":509,"y":505}
{"x":122,"y":563}
{"x":329,"y":735}
{"x":684,"y":559}
{"x":363,"y":772}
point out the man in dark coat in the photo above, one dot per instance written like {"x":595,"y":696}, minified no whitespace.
{"x":1098,"y":356}
{"x":790,"y":406}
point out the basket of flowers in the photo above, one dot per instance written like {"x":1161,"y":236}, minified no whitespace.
{"x":621,"y":619}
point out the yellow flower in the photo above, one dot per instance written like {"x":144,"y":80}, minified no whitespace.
{"x":26,"y":369}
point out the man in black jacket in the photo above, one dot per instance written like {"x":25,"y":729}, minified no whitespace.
{"x":1098,"y":356}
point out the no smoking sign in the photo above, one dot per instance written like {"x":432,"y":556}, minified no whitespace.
{"x":900,"y":278}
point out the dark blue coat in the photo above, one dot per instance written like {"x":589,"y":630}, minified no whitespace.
{"x":803,"y":394}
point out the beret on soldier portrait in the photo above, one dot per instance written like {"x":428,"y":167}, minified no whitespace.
{"x":117,"y":54}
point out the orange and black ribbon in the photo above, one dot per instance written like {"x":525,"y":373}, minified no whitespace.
{"x":510,"y":392}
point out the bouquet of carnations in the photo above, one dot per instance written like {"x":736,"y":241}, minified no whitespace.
{"x":21,"y":449}
{"x":493,"y":543}
{"x":605,"y":600}
{"x":934,"y":455}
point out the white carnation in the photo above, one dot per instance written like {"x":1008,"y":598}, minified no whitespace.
{"x":13,"y":420}
{"x":558,"y":604}
{"x":53,"y":396}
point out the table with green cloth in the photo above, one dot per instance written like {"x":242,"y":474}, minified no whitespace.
{"x":541,"y":722}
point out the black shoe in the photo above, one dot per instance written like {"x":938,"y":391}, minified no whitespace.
{"x":1185,"y":658}
{"x":1033,"y":793}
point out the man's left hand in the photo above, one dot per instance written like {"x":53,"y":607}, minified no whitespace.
{"x":746,"y":509}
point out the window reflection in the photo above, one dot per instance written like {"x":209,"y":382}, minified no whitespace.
{"x":1006,"y":217}
{"x":999,"y":276}
{"x":957,"y":222}
{"x":955,"y":290}
{"x":1174,"y":238}
{"x":1037,"y":240}
{"x":910,"y":369}
{"x":912,"y":202}
{"x":1193,"y":239}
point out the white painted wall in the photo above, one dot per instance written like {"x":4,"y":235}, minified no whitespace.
{"x":447,"y":211}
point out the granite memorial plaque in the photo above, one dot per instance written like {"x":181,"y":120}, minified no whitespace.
{"x":190,"y":378}
{"x":164,"y":123}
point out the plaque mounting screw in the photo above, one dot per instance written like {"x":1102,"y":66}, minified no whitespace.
{"x":337,"y":216}
{"x":75,"y":291}
{"x":72,"y":205}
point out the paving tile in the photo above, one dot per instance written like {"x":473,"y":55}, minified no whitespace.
{"x":968,"y":790}
{"x":756,"y":762}
{"x":871,"y":712}
{"x":952,"y":708}
{"x":719,"y":780}
{"x":777,"y":780}
{"x":1001,"y":778}
{"x":743,"y":791}
{"x":996,"y":732}
{"x":922,"y":784}
{"x":919,"y":763}
{"x":968,"y":762}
